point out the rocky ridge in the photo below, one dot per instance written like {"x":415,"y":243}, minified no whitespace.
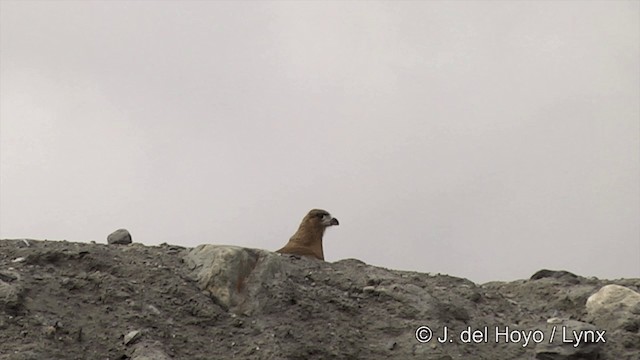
{"x":65,"y":300}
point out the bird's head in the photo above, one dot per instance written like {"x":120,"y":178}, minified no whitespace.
{"x":320,"y":218}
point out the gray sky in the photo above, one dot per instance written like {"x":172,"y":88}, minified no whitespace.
{"x":485,"y":140}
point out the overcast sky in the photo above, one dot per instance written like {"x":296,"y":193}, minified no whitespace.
{"x":485,"y":140}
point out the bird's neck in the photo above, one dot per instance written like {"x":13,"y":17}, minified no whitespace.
{"x":309,"y":235}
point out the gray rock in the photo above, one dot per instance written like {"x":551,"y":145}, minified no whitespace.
{"x":11,"y":291}
{"x":615,"y":307}
{"x":154,"y":310}
{"x":556,"y":274}
{"x":222,"y":271}
{"x":132,"y":337}
{"x":391,"y":345}
{"x":119,"y":237}
{"x":149,"y":351}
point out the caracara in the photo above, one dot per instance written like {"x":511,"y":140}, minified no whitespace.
{"x":307,"y":241}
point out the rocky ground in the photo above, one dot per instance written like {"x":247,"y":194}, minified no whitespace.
{"x":64,"y":300}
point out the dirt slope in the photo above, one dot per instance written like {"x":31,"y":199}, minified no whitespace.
{"x":64,"y":300}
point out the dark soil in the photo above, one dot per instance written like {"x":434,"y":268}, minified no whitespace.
{"x":79,"y":299}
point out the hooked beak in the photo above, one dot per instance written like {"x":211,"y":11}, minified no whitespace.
{"x":329,"y":220}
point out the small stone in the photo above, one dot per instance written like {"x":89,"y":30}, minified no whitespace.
{"x":8,"y":276}
{"x":49,"y":331}
{"x":475,"y":297}
{"x":131,"y":337}
{"x":554,"y":320}
{"x":119,"y":237}
{"x":369,"y":289}
{"x":153,"y":309}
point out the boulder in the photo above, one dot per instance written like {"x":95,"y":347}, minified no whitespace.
{"x":556,"y":274}
{"x":615,"y":307}
{"x":119,"y":237}
{"x":223,"y":271}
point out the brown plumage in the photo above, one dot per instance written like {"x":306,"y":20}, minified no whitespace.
{"x":307,"y":241}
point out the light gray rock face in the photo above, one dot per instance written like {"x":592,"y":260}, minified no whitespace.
{"x":119,"y":237}
{"x":223,"y":271}
{"x":615,"y":307}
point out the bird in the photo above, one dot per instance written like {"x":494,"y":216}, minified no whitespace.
{"x":307,"y":241}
